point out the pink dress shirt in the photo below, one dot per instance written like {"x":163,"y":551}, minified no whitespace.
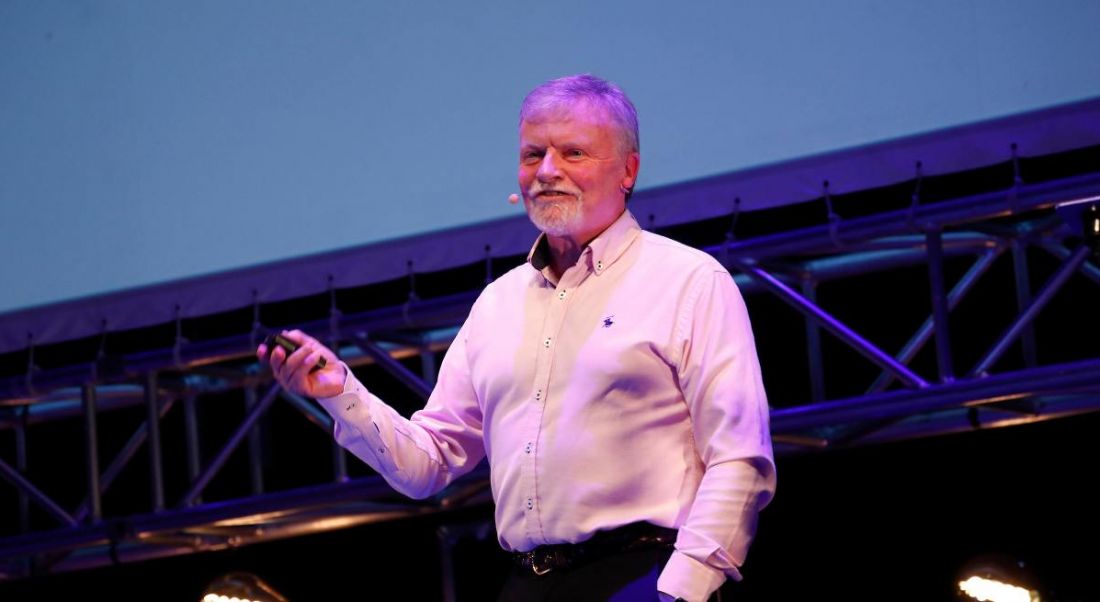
{"x":627,"y":391}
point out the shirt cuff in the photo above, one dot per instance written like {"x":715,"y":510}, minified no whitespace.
{"x":687,"y":578}
{"x":347,"y":404}
{"x":355,"y":429}
{"x":350,"y":384}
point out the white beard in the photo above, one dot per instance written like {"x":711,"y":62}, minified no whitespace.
{"x":557,"y":218}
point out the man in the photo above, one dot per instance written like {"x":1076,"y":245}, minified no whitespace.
{"x":612,"y":380}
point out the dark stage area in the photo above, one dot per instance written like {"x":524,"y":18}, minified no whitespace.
{"x":890,"y":522}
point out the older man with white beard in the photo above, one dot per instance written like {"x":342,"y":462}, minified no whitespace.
{"x":612,"y":381}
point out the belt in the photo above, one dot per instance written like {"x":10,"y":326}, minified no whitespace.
{"x":628,"y":538}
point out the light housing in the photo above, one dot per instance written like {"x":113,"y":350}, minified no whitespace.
{"x":240,"y":586}
{"x":997,"y":578}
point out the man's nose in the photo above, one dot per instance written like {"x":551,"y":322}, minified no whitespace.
{"x":548,"y":168}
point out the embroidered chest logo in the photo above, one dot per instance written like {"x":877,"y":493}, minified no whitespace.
{"x":608,"y":321}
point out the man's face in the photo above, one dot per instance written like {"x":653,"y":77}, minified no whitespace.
{"x":570,"y":172}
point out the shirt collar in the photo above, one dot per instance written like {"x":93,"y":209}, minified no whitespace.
{"x":600,"y":252}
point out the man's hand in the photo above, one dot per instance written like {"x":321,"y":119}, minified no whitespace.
{"x":293,"y":372}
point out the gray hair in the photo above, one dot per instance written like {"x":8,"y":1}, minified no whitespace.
{"x":558,"y":93}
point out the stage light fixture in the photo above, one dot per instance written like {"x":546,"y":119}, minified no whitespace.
{"x":997,"y":579}
{"x":992,"y":590}
{"x":1082,"y":216}
{"x":241,"y":587}
{"x":1092,"y":222}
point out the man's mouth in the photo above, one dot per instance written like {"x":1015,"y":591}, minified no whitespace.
{"x":551,"y":195}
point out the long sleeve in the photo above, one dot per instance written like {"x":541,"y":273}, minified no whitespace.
{"x":720,"y":377}
{"x":423,"y":454}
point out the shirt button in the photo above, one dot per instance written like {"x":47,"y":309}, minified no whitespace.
{"x":546,"y":343}
{"x":561,"y":295}
{"x":530,"y":504}
{"x":538,"y":394}
{"x":527,"y":449}
{"x":599,"y":265}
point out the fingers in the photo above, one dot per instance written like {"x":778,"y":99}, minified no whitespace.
{"x":296,"y":368}
{"x":298,"y":336}
{"x":298,"y":371}
{"x":286,"y":366}
{"x":279,"y":356}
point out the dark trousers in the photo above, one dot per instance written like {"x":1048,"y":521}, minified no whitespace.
{"x":624,"y":577}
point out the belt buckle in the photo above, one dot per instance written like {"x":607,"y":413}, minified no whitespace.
{"x":541,"y":564}
{"x":540,"y":569}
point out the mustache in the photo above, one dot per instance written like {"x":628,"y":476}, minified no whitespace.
{"x":536,"y":190}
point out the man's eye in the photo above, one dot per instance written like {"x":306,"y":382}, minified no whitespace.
{"x":530,"y":156}
{"x":574,"y":152}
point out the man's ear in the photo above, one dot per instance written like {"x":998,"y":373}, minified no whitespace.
{"x":630,"y":177}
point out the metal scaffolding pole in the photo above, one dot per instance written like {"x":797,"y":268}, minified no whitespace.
{"x":219,"y":460}
{"x":91,"y":449}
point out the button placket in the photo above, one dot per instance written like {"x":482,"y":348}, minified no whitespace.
{"x":546,"y":350}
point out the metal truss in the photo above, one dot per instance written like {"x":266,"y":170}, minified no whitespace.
{"x":955,"y":245}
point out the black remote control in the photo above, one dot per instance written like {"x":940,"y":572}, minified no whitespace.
{"x":289,"y":347}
